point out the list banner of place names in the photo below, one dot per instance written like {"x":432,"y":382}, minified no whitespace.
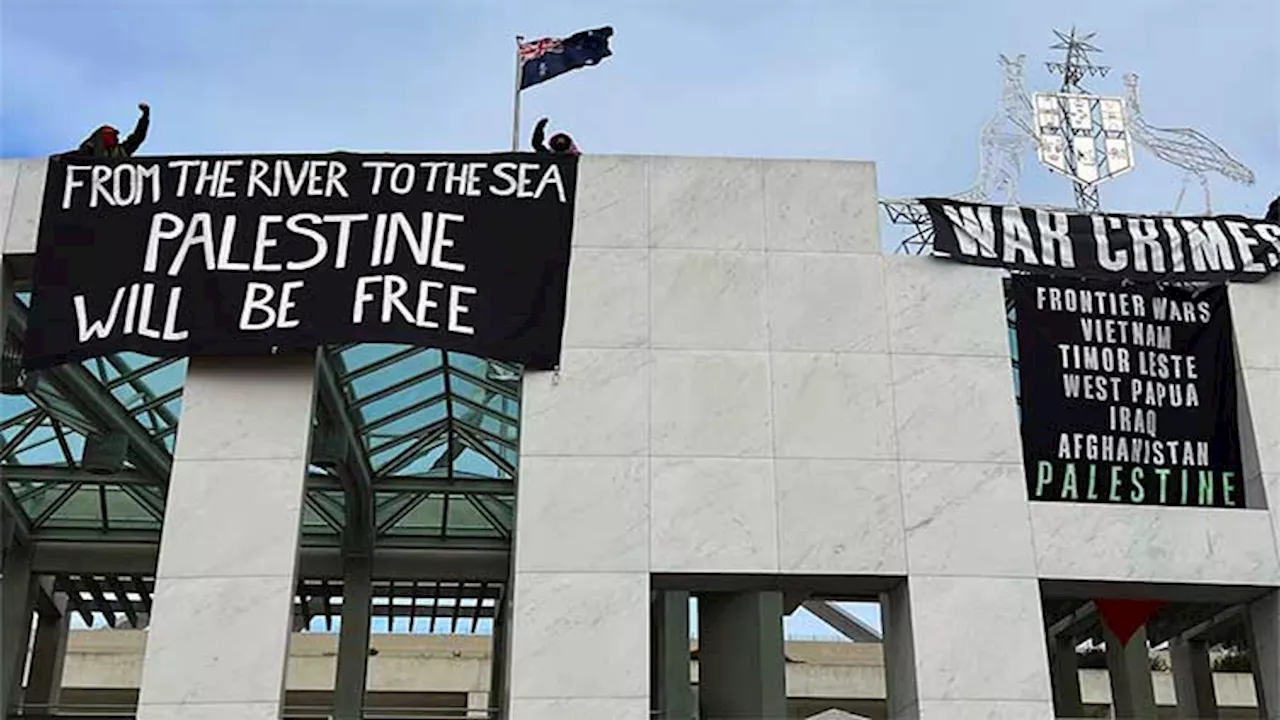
{"x":242,"y":255}
{"x":1128,"y":393}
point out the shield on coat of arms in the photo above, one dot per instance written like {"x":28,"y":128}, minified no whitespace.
{"x":1085,"y":137}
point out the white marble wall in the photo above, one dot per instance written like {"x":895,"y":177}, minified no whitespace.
{"x":966,"y":525}
{"x":21,"y":194}
{"x":1254,"y":310}
{"x":750,"y":386}
{"x":219,"y":634}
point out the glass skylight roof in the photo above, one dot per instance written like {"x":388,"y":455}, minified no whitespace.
{"x":439,"y":432}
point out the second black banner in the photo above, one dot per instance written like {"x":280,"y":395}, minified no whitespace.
{"x":1128,"y":393}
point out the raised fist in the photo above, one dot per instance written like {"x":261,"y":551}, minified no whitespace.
{"x":144,"y":107}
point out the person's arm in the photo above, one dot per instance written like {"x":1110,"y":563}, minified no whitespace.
{"x":139,"y":134}
{"x":540,"y":137}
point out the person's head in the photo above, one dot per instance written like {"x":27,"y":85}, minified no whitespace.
{"x":560,"y":143}
{"x":110,"y":136}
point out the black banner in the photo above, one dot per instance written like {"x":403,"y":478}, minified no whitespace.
{"x":1128,"y":393}
{"x":1151,"y":249}
{"x":175,"y":256}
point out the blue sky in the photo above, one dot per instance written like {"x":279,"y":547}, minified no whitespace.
{"x":907,"y":84}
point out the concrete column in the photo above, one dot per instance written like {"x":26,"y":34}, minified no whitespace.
{"x":48,"y":656}
{"x":932,"y":624}
{"x":672,"y":693}
{"x":902,"y":694}
{"x":741,"y":666}
{"x":1264,"y":644}
{"x":227,"y":573}
{"x":499,"y":659}
{"x":1132,"y":694}
{"x":18,"y":598}
{"x":478,"y":705}
{"x":1065,"y":673}
{"x":144,"y":621}
{"x":6,"y":291}
{"x":353,"y":639}
{"x":1193,"y":680}
{"x":558,"y":618}
{"x":580,"y":575}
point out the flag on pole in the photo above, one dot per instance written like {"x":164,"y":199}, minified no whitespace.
{"x":546,"y":58}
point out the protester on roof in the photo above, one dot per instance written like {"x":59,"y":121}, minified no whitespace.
{"x":105,"y":141}
{"x":1273,"y":210}
{"x":560,"y":143}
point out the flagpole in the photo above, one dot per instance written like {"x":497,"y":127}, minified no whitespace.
{"x":515,"y":105}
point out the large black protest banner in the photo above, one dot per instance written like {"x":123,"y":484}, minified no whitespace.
{"x":1128,"y":393}
{"x":1157,"y":249}
{"x":172,"y":256}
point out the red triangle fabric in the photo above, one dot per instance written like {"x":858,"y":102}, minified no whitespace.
{"x":1126,"y":617}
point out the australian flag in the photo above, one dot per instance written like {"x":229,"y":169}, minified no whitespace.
{"x":548,"y":57}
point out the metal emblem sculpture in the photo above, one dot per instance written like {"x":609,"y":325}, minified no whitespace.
{"x":1182,"y":147}
{"x":1079,"y":135}
{"x":1084,"y":137}
{"x":1006,"y":136}
{"x":1087,"y":138}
